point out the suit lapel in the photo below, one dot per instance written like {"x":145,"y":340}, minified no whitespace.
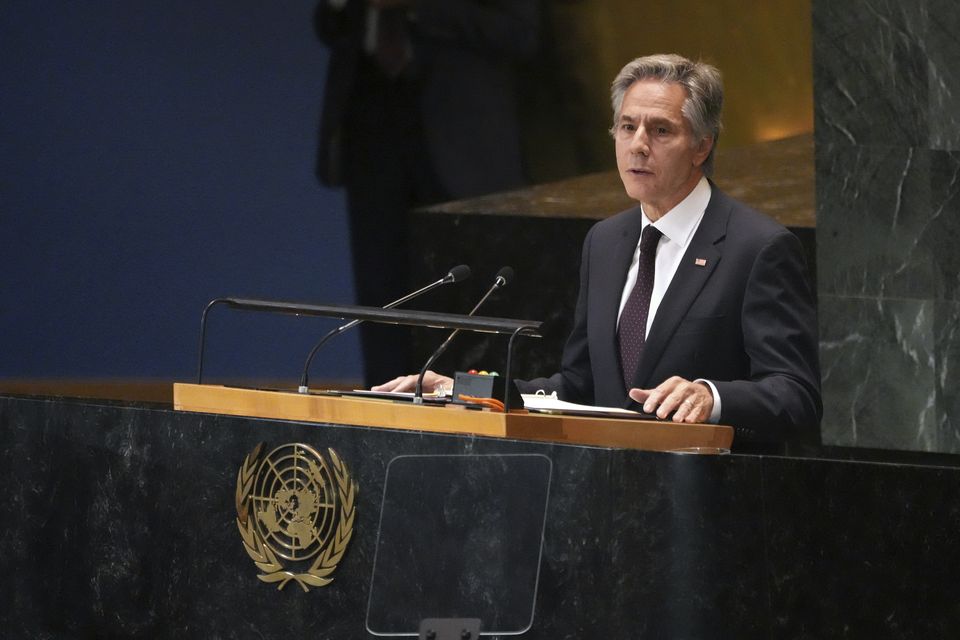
{"x":611,"y":280}
{"x":698,"y":262}
{"x":612,"y":287}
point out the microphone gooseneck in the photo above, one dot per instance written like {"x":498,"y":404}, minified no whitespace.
{"x":503,"y":278}
{"x":458,"y":273}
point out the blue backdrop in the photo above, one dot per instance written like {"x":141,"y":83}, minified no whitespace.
{"x":157,"y":154}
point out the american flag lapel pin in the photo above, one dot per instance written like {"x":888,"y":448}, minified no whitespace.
{"x":700,"y":262}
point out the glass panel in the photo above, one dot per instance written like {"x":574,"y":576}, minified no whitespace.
{"x":460,"y":537}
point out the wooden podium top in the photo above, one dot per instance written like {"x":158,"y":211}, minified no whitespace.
{"x":604,"y":432}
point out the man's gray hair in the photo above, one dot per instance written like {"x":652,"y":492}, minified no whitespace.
{"x":703,"y":85}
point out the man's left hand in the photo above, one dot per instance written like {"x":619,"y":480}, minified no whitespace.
{"x":688,"y":401}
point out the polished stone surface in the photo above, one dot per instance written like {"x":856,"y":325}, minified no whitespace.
{"x":121,"y":523}
{"x":940,"y":40}
{"x":888,"y":220}
{"x":877,"y":361}
{"x":775,"y":177}
{"x":870,"y":72}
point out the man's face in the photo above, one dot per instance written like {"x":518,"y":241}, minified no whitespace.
{"x":658,"y":158}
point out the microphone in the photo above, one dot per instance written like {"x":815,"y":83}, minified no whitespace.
{"x":504,"y":276}
{"x":457,"y":274}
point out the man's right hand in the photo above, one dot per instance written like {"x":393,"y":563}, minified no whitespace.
{"x":431,"y":382}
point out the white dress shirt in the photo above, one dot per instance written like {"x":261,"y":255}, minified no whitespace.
{"x":677,"y":226}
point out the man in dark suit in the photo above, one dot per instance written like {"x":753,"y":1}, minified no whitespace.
{"x":709,"y":317}
{"x":419,"y":107}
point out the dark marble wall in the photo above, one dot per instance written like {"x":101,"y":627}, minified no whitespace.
{"x":887,"y":128}
{"x":119,"y":522}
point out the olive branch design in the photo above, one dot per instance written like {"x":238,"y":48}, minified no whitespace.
{"x":264,"y":557}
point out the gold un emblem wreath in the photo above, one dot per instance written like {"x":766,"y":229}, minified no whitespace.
{"x":295,"y":513}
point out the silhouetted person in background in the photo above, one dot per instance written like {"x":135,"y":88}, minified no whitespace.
{"x":419,"y":107}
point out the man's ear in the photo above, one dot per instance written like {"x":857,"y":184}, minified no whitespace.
{"x":703,"y":150}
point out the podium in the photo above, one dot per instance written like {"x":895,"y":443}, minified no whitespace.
{"x":452,"y":418}
{"x":123,"y":523}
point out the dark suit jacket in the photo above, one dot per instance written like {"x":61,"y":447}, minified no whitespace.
{"x":464,"y":57}
{"x":745,"y":321}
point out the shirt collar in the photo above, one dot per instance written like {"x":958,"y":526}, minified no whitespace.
{"x":679,"y":223}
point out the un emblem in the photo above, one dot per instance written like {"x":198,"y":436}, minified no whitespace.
{"x":295,"y":513}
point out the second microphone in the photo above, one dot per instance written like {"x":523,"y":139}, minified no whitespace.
{"x":502,"y":279}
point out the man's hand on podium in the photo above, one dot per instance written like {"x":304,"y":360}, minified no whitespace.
{"x":687,"y":401}
{"x":431,"y":382}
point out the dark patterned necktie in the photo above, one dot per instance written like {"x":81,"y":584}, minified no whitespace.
{"x":393,"y":43}
{"x":633,"y":319}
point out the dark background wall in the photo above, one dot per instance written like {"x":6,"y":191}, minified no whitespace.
{"x":156,"y":155}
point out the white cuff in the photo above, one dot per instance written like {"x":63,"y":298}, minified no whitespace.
{"x":715,"y":414}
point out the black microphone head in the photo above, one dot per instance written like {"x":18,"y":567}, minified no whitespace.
{"x":504,"y":276}
{"x":458,"y":274}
